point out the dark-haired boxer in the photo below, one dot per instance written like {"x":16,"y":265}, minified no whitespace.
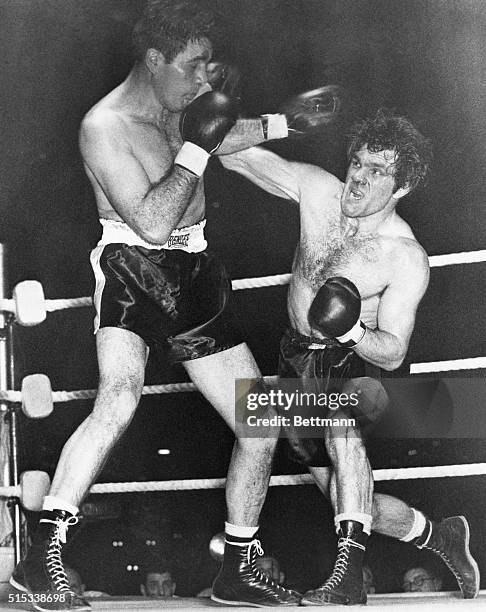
{"x":145,"y":147}
{"x":357,"y":278}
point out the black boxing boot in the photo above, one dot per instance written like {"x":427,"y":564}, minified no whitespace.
{"x":41,"y":573}
{"x":345,"y":585}
{"x":450,"y":540}
{"x":241,"y":583}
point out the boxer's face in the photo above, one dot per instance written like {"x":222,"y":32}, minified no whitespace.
{"x":369,"y":183}
{"x":178,"y":82}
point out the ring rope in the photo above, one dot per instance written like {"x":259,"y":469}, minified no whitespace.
{"x":411,"y":473}
{"x":471,"y":363}
{"x":435,"y":261}
{"x":67,"y":396}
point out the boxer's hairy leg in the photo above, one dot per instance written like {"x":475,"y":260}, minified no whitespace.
{"x":121,"y":360}
{"x":251,"y":461}
{"x":391,"y":516}
{"x":351,"y":486}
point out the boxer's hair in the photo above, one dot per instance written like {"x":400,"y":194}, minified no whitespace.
{"x":168,"y":25}
{"x":388,"y":131}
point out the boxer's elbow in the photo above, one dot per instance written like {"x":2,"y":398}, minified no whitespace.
{"x":394,"y":360}
{"x":391,"y":365}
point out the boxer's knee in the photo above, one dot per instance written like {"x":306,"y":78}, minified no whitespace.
{"x":116,"y":402}
{"x":261,"y":447}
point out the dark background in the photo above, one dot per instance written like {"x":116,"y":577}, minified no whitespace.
{"x":58,"y":57}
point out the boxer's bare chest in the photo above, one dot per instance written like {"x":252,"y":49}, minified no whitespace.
{"x":343,"y":252}
{"x":156,"y":145}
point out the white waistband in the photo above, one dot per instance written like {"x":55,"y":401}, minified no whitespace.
{"x":190,"y":239}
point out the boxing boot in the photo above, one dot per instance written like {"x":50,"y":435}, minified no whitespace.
{"x":241,"y":583}
{"x":345,"y":585}
{"x":450,"y":540}
{"x":41,"y":573}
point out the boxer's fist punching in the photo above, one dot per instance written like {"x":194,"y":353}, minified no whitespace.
{"x":304,"y":114}
{"x":335,"y":311}
{"x":203,"y":125}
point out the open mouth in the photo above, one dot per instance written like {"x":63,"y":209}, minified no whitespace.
{"x":355,"y":194}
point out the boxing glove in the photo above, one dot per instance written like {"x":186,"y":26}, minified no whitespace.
{"x":203,"y":125}
{"x":304,"y":114}
{"x":335,"y":311}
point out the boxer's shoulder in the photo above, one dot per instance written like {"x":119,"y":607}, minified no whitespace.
{"x":318,"y":187}
{"x":100,"y":124}
{"x":409,"y":258}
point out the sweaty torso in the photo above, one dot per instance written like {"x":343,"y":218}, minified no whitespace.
{"x":153,"y":141}
{"x":331,"y":246}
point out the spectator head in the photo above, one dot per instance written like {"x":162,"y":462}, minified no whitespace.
{"x":158,"y":582}
{"x":270,"y":567}
{"x":421,"y":579}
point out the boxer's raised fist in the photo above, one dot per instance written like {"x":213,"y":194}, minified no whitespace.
{"x":203,"y":124}
{"x":207,"y":119}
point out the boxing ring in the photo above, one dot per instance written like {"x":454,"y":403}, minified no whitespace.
{"x":36,"y":399}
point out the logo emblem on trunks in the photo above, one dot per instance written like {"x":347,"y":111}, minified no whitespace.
{"x":178,"y":241}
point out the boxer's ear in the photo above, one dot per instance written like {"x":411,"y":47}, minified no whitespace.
{"x":154,"y":59}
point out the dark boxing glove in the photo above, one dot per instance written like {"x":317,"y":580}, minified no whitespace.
{"x":304,"y":114}
{"x":335,"y":311}
{"x":203,"y":125}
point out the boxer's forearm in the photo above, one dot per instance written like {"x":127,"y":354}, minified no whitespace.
{"x":244,"y":134}
{"x":163,"y":206}
{"x":382,"y":349}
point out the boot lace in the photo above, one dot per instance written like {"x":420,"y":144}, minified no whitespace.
{"x":341,"y":564}
{"x":447,"y":561}
{"x":255,"y":550}
{"x":54,"y":564}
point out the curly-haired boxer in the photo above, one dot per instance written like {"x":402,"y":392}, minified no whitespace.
{"x":357,"y":279}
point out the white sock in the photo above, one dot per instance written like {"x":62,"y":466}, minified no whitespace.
{"x":240,"y":531}
{"x":419,"y":522}
{"x":56,"y":503}
{"x":359,"y":517}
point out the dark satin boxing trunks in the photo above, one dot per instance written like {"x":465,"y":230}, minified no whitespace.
{"x":176,"y":300}
{"x":329,"y":366}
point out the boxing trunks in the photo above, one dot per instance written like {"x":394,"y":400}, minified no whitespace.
{"x":329,"y":366}
{"x":175,"y":296}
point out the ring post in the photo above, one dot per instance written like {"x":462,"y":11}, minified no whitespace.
{"x":7,"y":382}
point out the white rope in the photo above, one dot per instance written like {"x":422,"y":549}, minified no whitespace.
{"x":438,"y":471}
{"x":454,"y":259}
{"x":283,"y":279}
{"x":471,"y":363}
{"x":81,"y":394}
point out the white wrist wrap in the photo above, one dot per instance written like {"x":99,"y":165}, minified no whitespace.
{"x":193,"y":158}
{"x":277,"y":127}
{"x":354,"y":335}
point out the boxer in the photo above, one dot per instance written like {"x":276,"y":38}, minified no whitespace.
{"x":357,"y":279}
{"x":145,"y":147}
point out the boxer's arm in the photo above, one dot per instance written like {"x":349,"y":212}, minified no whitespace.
{"x":274,"y":174}
{"x":387,"y":346}
{"x":244,"y":134}
{"x":151,"y":210}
